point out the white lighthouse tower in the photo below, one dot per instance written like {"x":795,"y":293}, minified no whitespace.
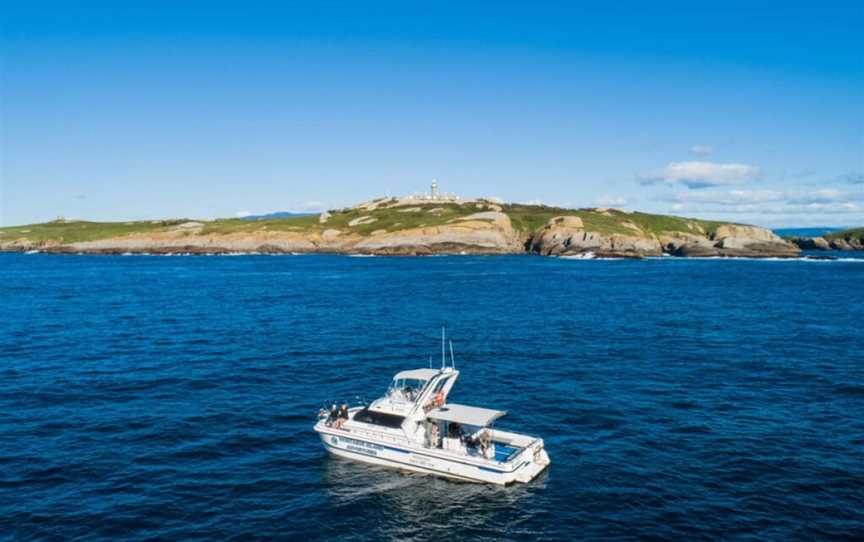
{"x":433,"y":191}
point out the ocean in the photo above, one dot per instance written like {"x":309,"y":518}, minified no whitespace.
{"x":173,"y":398}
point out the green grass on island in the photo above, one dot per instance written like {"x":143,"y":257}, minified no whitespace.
{"x":76,"y":231}
{"x":387,"y":216}
{"x":854,"y":233}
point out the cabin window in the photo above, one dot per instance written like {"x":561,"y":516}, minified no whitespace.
{"x":379,"y":418}
{"x":407,"y":388}
{"x":440,"y":384}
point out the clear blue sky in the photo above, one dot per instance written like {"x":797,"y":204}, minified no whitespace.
{"x":719,"y":109}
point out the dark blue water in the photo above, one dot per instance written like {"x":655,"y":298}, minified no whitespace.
{"x":151,"y":398}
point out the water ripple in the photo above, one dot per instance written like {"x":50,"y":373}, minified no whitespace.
{"x":146,"y":398}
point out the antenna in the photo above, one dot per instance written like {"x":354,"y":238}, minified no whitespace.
{"x":452,"y":359}
{"x":443,"y":359}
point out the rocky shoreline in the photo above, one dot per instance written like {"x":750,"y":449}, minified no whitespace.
{"x":843,"y":241}
{"x":567,"y":235}
{"x":387,"y":229}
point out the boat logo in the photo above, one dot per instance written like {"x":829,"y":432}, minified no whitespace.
{"x":334,"y":440}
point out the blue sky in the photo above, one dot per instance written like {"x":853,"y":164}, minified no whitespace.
{"x":723,"y":110}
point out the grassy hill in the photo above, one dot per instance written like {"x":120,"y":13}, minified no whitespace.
{"x":387,"y":216}
{"x":73,"y":231}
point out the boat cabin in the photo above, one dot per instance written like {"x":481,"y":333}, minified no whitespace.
{"x":407,"y":386}
{"x":428,"y":387}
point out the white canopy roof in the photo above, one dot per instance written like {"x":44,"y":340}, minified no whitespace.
{"x":418,"y":374}
{"x":468,"y":415}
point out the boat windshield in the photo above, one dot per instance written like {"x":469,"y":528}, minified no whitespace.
{"x":407,"y":389}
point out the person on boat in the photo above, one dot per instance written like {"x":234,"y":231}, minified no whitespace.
{"x":434,"y":441}
{"x":454,"y":431}
{"x":341,"y":416}
{"x":485,"y":444}
{"x":334,"y":414}
{"x":437,"y":400}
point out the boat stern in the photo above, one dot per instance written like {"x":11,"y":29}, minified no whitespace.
{"x":538,"y":460}
{"x":532,"y":461}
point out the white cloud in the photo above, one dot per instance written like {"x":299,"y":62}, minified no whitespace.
{"x":726,"y":197}
{"x":701,"y":150}
{"x":823,"y":196}
{"x":698,"y":174}
{"x":799,"y":206}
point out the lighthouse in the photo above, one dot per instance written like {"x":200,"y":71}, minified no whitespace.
{"x":433,"y":191}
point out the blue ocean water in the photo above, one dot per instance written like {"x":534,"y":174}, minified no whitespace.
{"x":806,"y":232}
{"x":146,"y":398}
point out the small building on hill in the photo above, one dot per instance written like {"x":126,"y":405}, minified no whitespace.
{"x":433,"y":196}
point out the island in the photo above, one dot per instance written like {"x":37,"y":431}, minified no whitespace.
{"x":414,"y":226}
{"x":839,"y":240}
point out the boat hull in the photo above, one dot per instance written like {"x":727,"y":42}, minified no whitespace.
{"x":343,"y":443}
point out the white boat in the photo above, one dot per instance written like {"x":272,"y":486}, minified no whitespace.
{"x":413,"y":428}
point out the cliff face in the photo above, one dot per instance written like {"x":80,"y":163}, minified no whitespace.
{"x":488,"y":232}
{"x":568,"y":235}
{"x":386,"y":227}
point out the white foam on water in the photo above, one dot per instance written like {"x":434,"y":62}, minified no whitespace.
{"x":591,"y":256}
{"x":583,"y":256}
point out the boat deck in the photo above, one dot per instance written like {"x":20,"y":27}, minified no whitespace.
{"x":503,"y":453}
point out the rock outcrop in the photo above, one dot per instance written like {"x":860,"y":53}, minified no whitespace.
{"x":362,"y":220}
{"x":730,"y":240}
{"x":481,"y":233}
{"x":748,"y":241}
{"x":567,"y":235}
{"x":842,"y":241}
{"x":811,"y":243}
